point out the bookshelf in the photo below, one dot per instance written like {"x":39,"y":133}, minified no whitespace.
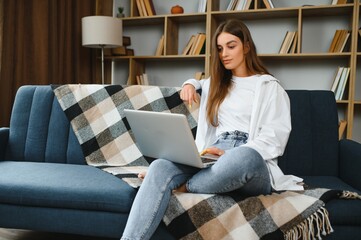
{"x":309,"y":66}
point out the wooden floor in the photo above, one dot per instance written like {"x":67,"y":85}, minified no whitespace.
{"x":14,"y":234}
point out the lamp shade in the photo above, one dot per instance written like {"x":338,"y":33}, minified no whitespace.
{"x":101,"y":32}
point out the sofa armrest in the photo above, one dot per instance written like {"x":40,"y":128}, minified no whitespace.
{"x":350,"y":162}
{"x":4,"y":137}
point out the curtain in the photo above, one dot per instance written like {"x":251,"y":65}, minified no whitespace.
{"x":41,"y":44}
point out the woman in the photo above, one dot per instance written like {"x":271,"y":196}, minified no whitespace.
{"x":244,"y":117}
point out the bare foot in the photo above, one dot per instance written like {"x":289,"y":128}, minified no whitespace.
{"x":142,"y":175}
{"x":182,"y":188}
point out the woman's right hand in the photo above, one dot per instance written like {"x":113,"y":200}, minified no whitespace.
{"x":189,"y":94}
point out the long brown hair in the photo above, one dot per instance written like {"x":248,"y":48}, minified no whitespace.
{"x":221,"y":78}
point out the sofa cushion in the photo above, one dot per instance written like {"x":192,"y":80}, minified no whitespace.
{"x":312,"y":148}
{"x":63,"y":186}
{"x":35,"y":121}
{"x":342,"y":212}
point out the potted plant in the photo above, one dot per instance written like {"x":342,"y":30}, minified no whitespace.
{"x":120,"y":13}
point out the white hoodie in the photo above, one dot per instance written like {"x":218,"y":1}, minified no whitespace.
{"x":270,"y":126}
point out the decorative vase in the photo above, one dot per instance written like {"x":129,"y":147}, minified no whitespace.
{"x":177,"y":9}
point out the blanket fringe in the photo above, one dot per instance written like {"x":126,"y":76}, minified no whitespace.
{"x":350,"y":195}
{"x":312,"y":227}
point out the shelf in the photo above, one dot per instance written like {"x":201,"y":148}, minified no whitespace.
{"x":159,"y":19}
{"x":311,"y":67}
{"x":157,"y":58}
{"x":343,"y":101}
{"x":304,"y":56}
{"x":266,"y":56}
{"x":256,"y":14}
{"x":328,"y":10}
{"x":143,"y":21}
{"x":188,"y":18}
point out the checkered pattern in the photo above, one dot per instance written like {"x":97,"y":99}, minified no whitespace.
{"x":285,"y":215}
{"x":97,"y":118}
{"x":96,"y":115}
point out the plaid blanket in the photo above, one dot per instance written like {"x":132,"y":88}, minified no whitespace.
{"x":96,"y":115}
{"x":97,"y":118}
{"x":287,"y":215}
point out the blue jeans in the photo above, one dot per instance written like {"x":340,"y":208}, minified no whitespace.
{"x":238,"y":169}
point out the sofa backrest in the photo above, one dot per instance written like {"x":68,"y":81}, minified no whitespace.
{"x":312,"y":148}
{"x":39,"y":129}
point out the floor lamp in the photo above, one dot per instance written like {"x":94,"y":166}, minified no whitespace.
{"x":102,"y":32}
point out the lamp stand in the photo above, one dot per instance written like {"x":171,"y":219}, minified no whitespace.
{"x":102,"y":46}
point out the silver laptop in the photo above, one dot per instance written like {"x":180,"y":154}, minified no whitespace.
{"x":167,"y":136}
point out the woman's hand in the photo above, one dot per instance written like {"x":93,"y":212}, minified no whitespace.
{"x":212,"y":150}
{"x":189,"y":94}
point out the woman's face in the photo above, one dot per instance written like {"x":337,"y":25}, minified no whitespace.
{"x":232,"y":53}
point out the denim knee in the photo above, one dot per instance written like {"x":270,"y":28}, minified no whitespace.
{"x":160,"y":169}
{"x":164,"y":172}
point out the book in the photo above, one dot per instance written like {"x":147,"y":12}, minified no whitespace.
{"x":287,"y":42}
{"x":199,"y":75}
{"x":145,"y":79}
{"x":343,"y":41}
{"x":339,"y":41}
{"x":344,"y":80}
{"x":122,"y":51}
{"x":149,"y":6}
{"x":240,"y":5}
{"x":338,"y":2}
{"x":202,"y":6}
{"x":142,"y":79}
{"x":271,"y":4}
{"x":247,"y":5}
{"x":130,"y":52}
{"x":160,"y":48}
{"x":201,"y":39}
{"x":144,"y":10}
{"x":334,"y":41}
{"x":342,"y":84}
{"x":119,"y":51}
{"x":189,"y":45}
{"x":283,"y":43}
{"x":336,"y":79}
{"x":139,"y":8}
{"x":341,"y":2}
{"x":341,"y":128}
{"x":139,"y":81}
{"x":293,"y":48}
{"x":268,"y":4}
{"x":192,"y":49}
{"x":231,"y":5}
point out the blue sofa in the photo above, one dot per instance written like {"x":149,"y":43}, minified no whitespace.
{"x":46,"y":185}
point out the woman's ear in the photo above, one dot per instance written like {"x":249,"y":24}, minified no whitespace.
{"x":246,"y":47}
